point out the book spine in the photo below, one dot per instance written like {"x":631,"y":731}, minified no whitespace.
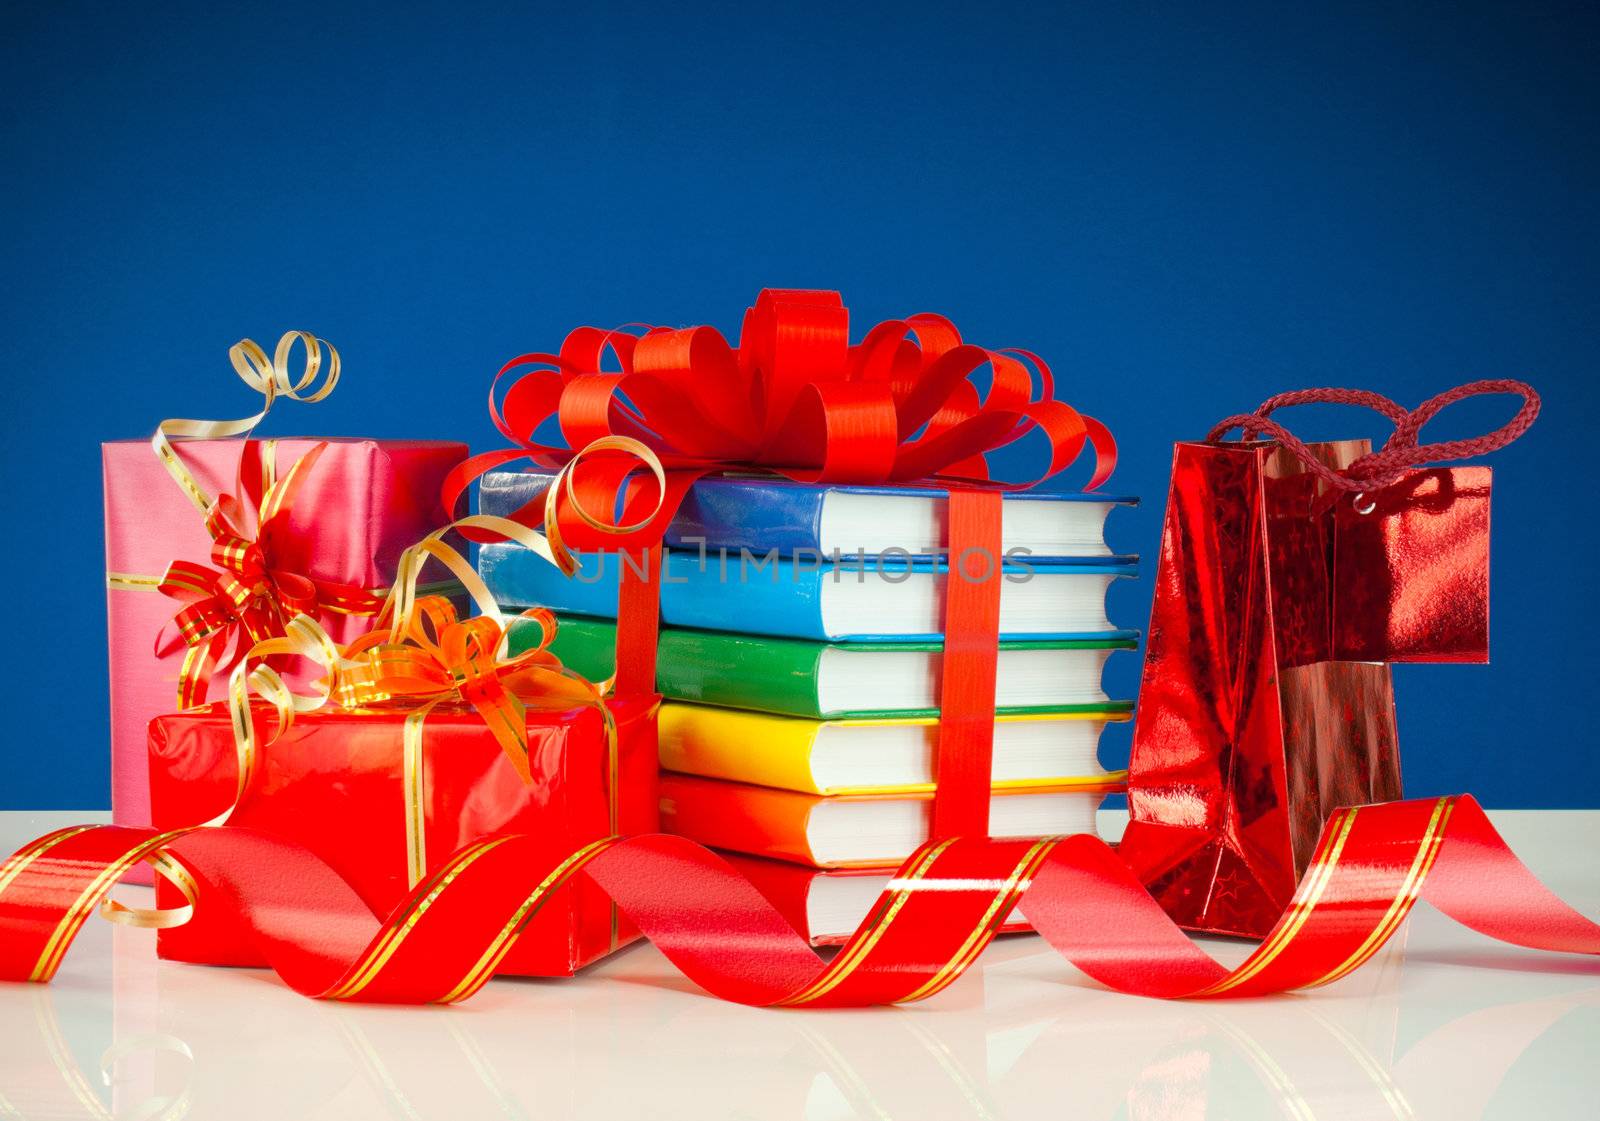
{"x":769,"y":675}
{"x":743,"y":746}
{"x":505,"y":492}
{"x":716,"y":514}
{"x":786,"y":886}
{"x":519,"y":577}
{"x":775,"y":600}
{"x":732,"y":815}
{"x":749,"y":514}
{"x":736,"y":671}
{"x":587,"y":647}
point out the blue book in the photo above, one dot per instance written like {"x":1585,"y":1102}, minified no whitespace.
{"x":874,"y":599}
{"x":760,"y":512}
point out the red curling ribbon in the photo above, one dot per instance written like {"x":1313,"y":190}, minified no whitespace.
{"x":944,"y":906}
{"x":906,"y":405}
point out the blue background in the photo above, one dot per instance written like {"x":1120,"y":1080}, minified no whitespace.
{"x":1185,"y":210}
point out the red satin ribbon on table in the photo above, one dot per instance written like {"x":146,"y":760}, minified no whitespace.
{"x":944,"y":906}
{"x":906,"y":405}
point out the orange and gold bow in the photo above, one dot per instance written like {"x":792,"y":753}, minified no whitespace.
{"x":442,"y":658}
{"x":420,"y":655}
{"x":250,"y":595}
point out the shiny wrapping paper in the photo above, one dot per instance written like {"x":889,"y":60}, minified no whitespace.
{"x":335,"y":783}
{"x":1266,"y":702}
{"x":361,"y":504}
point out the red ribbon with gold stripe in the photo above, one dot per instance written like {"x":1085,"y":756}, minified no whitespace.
{"x":944,"y":906}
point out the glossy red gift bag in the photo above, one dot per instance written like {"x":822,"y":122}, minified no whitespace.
{"x":1290,"y":575}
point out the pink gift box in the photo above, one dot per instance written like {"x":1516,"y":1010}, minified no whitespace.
{"x":360,"y":505}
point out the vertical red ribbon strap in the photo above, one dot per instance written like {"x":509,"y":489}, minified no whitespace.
{"x":967,"y":675}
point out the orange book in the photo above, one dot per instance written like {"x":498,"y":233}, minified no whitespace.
{"x":852,"y":831}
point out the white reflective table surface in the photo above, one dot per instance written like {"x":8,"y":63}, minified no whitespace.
{"x":1444,"y":1024}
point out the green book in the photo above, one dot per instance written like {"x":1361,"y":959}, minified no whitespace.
{"x":839,"y":680}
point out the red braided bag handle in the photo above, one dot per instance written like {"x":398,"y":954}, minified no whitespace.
{"x":1401,"y":452}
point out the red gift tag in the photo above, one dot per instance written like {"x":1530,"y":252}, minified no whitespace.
{"x":1411,"y":570}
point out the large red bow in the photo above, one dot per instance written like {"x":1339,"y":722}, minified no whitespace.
{"x":906,"y":404}
{"x":249,"y":596}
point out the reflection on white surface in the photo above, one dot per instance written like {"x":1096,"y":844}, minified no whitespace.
{"x":1451,"y":1026}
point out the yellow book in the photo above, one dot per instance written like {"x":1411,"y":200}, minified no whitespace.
{"x":874,"y":756}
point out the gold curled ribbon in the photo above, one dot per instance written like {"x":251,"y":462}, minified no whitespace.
{"x":272,"y":379}
{"x":168,"y":867}
{"x":565,"y":485}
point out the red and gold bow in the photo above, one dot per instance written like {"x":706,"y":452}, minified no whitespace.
{"x":249,"y":595}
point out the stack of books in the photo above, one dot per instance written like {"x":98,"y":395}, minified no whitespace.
{"x":800,"y":657}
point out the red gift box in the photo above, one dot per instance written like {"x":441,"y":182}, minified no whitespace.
{"x":336,"y":782}
{"x":360,"y":504}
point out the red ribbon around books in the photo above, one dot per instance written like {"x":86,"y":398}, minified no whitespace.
{"x":906,"y":405}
